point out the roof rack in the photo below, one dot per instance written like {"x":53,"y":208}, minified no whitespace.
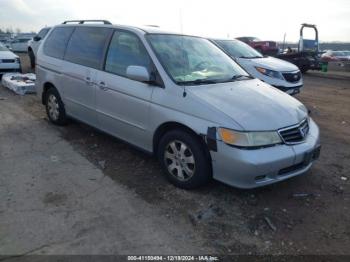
{"x":152,"y":25}
{"x":106,"y":22}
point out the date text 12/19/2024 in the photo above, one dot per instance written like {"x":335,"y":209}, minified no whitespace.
{"x":173,"y":258}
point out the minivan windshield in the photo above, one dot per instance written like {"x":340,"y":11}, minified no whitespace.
{"x":238,"y":49}
{"x":194,"y":60}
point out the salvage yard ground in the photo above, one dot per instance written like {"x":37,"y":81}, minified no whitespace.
{"x":74,"y":190}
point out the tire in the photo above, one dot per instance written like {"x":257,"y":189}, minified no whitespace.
{"x":31,"y":58}
{"x":55,"y":107}
{"x":184,"y":159}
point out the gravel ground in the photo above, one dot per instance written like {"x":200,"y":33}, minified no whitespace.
{"x":308,"y":214}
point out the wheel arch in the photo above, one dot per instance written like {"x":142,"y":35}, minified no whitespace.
{"x":168,"y":126}
{"x":46,"y":87}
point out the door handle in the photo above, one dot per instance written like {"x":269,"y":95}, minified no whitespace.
{"x":88,"y":81}
{"x":102,"y":85}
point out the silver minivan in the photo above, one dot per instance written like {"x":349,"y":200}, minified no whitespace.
{"x":178,"y":97}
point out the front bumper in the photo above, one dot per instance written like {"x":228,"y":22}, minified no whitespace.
{"x":290,"y":90}
{"x":250,"y":168}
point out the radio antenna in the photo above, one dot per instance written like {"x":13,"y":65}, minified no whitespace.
{"x":180,"y":18}
{"x":182,"y":47}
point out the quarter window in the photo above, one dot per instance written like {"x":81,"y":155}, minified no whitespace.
{"x":56,"y":42}
{"x":125,"y":50}
{"x":86,"y":46}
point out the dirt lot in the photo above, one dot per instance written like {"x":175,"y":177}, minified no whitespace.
{"x":308,"y":214}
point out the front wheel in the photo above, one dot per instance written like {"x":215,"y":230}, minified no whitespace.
{"x":184,"y":160}
{"x":55,"y":107}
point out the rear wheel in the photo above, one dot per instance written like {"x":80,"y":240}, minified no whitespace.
{"x":55,"y":108}
{"x":184,"y":160}
{"x":31,"y":58}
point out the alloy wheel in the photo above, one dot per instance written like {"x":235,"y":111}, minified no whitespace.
{"x":53,"y":107}
{"x":179,"y":160}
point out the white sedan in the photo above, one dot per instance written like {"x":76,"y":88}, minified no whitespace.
{"x":9,"y":62}
{"x":276,"y":72}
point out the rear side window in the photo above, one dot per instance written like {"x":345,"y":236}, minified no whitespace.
{"x":86,"y":46}
{"x":125,"y":50}
{"x":56,"y":42}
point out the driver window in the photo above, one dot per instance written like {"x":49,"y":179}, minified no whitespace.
{"x":43,"y":33}
{"x":126,"y":50}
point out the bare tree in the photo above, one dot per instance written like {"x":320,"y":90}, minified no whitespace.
{"x":9,"y":30}
{"x":18,"y":30}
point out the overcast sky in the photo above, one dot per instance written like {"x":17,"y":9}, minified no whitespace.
{"x":266,"y":19}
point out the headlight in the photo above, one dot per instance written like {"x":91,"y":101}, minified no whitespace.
{"x":18,"y":61}
{"x":249,"y":139}
{"x":269,"y":72}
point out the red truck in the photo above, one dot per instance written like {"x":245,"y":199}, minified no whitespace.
{"x":264,"y":47}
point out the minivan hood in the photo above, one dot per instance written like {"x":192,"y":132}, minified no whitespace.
{"x":254,"y":105}
{"x":7,"y":55}
{"x":268,"y":63}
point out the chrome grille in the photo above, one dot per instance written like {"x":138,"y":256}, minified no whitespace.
{"x":7,"y":60}
{"x":295,"y":134}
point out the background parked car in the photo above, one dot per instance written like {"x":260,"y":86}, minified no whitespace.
{"x":20,"y":44}
{"x":264,"y":47}
{"x":7,"y":43}
{"x":34,"y":44}
{"x":4,"y":38}
{"x":9,"y":62}
{"x":336,"y":56}
{"x":276,"y":72}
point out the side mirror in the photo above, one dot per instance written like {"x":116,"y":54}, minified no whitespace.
{"x":36,"y":38}
{"x":138,"y":73}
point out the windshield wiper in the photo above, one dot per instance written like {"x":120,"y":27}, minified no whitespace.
{"x":199,"y":82}
{"x":250,"y":57}
{"x":241,"y":77}
{"x":214,"y":81}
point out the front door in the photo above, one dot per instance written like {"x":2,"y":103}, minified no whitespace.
{"x":123,"y":104}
